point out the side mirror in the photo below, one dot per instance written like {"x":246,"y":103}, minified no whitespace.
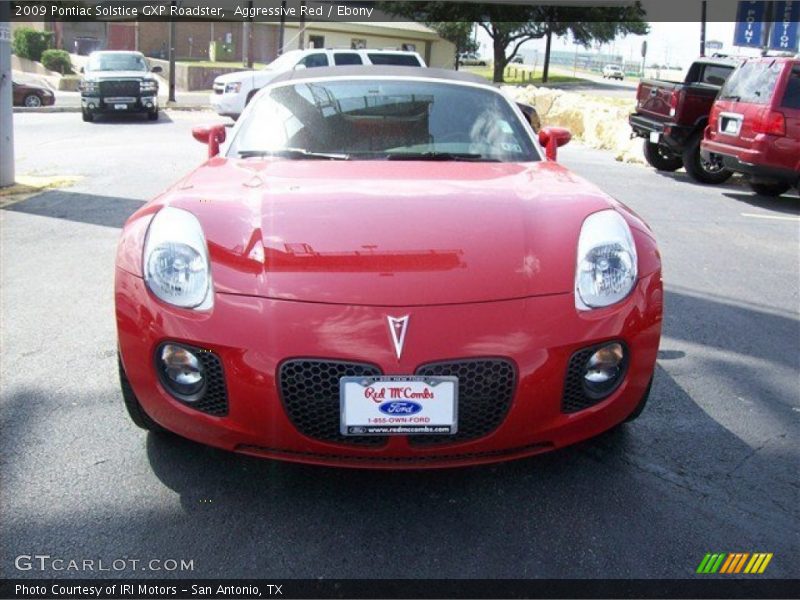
{"x":157,"y":69}
{"x":553,"y":138}
{"x":212,"y":135}
{"x":299,"y":67}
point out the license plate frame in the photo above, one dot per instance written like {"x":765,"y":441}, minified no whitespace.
{"x":361,"y":411}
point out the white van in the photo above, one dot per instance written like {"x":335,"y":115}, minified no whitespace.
{"x":233,"y":91}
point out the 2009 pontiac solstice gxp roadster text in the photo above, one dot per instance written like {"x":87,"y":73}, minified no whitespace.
{"x":385,"y":268}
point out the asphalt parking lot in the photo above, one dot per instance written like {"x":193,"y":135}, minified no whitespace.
{"x":711,"y":466}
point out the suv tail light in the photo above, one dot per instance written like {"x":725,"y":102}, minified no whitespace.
{"x":770,"y":122}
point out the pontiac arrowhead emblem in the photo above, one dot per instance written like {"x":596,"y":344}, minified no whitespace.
{"x":397,"y":329}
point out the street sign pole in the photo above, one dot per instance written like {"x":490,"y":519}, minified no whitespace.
{"x":703,"y":11}
{"x":6,"y":110}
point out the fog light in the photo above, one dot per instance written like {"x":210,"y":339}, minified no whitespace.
{"x":181,"y":371}
{"x":604,"y":370}
{"x":92,"y":106}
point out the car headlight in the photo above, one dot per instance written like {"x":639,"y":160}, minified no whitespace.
{"x":91,"y":87}
{"x":148,"y":85}
{"x":175,"y":262}
{"x":606,"y":269}
{"x":233,"y":88}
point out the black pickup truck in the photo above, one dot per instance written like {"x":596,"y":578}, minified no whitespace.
{"x":120,"y":82}
{"x":671,"y":117}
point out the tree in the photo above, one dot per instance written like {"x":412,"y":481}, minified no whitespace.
{"x":511,"y":25}
{"x":457,"y":32}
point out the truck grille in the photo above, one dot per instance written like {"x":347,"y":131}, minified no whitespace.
{"x":309,"y":390}
{"x":119,"y":88}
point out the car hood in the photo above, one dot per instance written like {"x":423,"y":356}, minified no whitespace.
{"x":388,"y":233}
{"x":266,"y":73}
{"x":104,"y":75}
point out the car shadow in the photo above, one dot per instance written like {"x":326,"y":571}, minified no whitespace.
{"x":120,"y":117}
{"x":788,"y":203}
{"x":93,"y":209}
{"x":735,"y":183}
{"x":678,"y":481}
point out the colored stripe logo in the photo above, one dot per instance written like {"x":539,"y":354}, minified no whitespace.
{"x":734,"y":562}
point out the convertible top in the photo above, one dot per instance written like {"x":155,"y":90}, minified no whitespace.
{"x":379,"y":71}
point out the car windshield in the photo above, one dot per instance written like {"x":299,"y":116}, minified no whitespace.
{"x":753,"y":83}
{"x":381,"y":119}
{"x":116,"y":62}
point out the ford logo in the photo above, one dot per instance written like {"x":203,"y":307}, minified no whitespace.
{"x":403,"y":407}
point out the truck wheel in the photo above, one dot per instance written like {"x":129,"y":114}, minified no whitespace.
{"x":152,"y":116}
{"x":770,"y":189}
{"x":702,"y":171}
{"x":87,"y":116}
{"x":660,"y":157}
{"x":135,"y":410}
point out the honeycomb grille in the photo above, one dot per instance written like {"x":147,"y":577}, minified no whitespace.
{"x":485,"y":390}
{"x":310,"y":393}
{"x":215,"y":399}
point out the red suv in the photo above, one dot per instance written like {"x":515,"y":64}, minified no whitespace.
{"x":755,"y":124}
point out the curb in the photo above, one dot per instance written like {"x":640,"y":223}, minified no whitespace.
{"x":77,"y":109}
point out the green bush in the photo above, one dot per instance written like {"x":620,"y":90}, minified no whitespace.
{"x":30,"y":43}
{"x":57,"y":60}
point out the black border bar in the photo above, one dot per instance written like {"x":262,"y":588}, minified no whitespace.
{"x":226,"y":10}
{"x":701,"y":587}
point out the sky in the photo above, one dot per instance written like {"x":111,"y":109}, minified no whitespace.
{"x":675,"y":44}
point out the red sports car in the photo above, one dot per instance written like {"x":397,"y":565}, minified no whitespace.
{"x":385,"y":268}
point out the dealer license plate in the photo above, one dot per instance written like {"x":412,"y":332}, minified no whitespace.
{"x":399,"y":405}
{"x":120,"y":107}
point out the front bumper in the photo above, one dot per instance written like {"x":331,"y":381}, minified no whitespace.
{"x":252,"y":336}
{"x":126,"y":104}
{"x":226,"y":105}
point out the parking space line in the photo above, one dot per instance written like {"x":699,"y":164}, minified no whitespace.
{"x":776,"y":217}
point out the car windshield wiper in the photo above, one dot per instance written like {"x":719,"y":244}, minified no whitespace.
{"x":458,"y":156}
{"x":294,"y":153}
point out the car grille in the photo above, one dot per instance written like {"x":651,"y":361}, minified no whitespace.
{"x":485,"y":390}
{"x":119,"y":88}
{"x":215,"y":398}
{"x":309,"y":389}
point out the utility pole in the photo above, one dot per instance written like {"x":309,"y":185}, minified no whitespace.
{"x":302,"y":36}
{"x":6,"y":110}
{"x":247,"y":37}
{"x":703,"y":15}
{"x":171,"y":43}
{"x":282,"y":28}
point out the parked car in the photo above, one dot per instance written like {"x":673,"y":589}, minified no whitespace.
{"x":116,"y":81}
{"x":517,"y":59}
{"x":470,"y":59}
{"x":233,"y":91}
{"x":31,"y":95}
{"x":755,"y":124}
{"x":671,"y":117}
{"x":378,"y":269}
{"x":613,"y":72}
